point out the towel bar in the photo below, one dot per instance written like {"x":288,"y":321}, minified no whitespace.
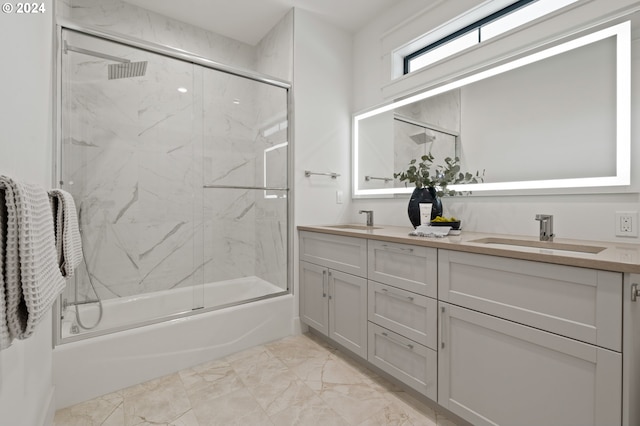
{"x":385,"y":179}
{"x":333,"y":175}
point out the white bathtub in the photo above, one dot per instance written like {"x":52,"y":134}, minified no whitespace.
{"x":98,"y":365}
{"x":125,"y":312}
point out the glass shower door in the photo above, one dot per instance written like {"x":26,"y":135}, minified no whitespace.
{"x":131,"y":158}
{"x":246,"y":166}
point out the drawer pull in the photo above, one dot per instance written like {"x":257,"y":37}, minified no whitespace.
{"x":441,"y":325}
{"x":398,"y":296}
{"x":388,"y":247}
{"x":409,"y":345}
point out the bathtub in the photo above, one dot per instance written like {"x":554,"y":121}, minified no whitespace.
{"x":94,"y":366}
{"x":142,"y":309}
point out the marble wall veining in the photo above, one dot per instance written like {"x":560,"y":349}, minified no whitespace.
{"x":123,"y":18}
{"x":136,"y":153}
{"x":129,"y":158}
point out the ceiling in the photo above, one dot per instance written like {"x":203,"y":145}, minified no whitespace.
{"x":249,"y":20}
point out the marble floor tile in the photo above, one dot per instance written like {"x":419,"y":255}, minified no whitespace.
{"x":298,"y":380}
{"x":164,"y":403}
{"x":104,"y":410}
{"x":313,"y":412}
{"x":281,"y":392}
{"x":258,"y":368}
{"x":235,"y":408}
{"x":210,"y":380}
{"x":355,"y":402}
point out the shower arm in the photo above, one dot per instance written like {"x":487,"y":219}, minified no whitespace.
{"x":68,"y":47}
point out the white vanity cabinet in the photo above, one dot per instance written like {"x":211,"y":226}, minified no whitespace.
{"x":528,"y":343}
{"x":402,"y":313}
{"x":495,"y":340}
{"x":333,"y":300}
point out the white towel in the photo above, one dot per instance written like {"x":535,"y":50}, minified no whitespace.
{"x":67,"y":234}
{"x":30,"y":276}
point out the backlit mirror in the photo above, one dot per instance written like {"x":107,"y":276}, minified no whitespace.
{"x":558,"y":118}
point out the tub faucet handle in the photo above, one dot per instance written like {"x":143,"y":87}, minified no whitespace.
{"x":369,"y":216}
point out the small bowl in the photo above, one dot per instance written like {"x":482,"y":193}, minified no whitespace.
{"x":453,"y":225}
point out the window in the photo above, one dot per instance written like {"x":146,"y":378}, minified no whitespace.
{"x":495,"y":23}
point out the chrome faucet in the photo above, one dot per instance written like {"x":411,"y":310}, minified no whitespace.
{"x":546,"y":226}
{"x":369,"y":216}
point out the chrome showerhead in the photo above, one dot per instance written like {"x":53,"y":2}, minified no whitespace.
{"x":123,"y":69}
{"x":127,"y":70}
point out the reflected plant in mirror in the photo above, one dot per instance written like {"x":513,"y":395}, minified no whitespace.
{"x":440,"y":177}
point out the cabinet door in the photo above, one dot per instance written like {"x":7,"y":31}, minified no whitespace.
{"x":495,"y":372}
{"x":348,"y":311}
{"x":314,"y":300}
{"x":412,"y":315}
{"x":404,"y":359}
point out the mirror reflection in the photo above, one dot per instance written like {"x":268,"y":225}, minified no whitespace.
{"x":557,"y":118}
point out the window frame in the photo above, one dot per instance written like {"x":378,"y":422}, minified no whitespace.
{"x":467,"y":29}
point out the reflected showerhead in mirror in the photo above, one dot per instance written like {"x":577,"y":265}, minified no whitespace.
{"x":127,"y":70}
{"x":422,"y":138}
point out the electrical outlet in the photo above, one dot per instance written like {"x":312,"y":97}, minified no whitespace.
{"x":626,"y":224}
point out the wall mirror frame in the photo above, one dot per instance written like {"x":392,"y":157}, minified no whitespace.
{"x":620,"y":178}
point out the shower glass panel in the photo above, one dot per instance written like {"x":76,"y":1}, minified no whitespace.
{"x":246,"y":182}
{"x":180,"y":177}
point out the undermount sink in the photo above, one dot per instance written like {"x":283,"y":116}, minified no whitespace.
{"x":546,"y":245}
{"x":359,"y":227}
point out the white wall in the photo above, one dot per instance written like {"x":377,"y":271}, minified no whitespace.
{"x":322,"y":133}
{"x":26,"y":389}
{"x":322,"y":87}
{"x":579,"y":216}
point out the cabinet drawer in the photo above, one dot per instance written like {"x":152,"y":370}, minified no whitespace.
{"x":404,"y":359}
{"x":346,"y":254}
{"x":584,"y":304}
{"x":411,"y":268}
{"x":495,"y":372}
{"x":409,"y":314}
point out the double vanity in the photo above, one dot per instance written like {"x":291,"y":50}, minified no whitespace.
{"x":499,"y":330}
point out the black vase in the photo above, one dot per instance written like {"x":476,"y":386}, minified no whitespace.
{"x":423,"y":195}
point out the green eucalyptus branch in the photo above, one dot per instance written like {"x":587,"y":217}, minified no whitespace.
{"x":420,"y":174}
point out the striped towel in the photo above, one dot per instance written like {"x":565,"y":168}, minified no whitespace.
{"x":67,"y":234}
{"x":30,"y":278}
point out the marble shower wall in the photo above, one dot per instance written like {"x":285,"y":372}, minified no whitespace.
{"x":123,"y":18}
{"x":130,"y":158}
{"x":275,"y":57}
{"x":241,"y":221}
{"x":137,"y":153}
